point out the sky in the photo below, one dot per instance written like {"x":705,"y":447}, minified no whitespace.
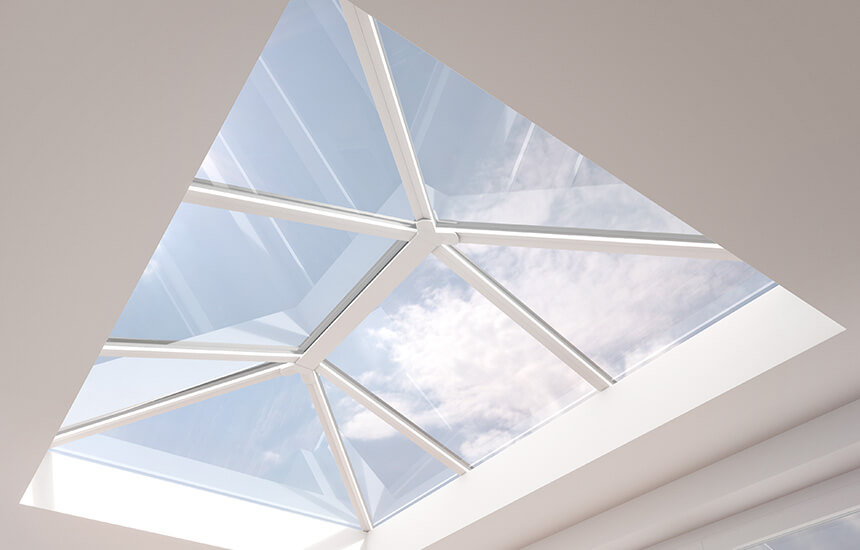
{"x":304,"y":126}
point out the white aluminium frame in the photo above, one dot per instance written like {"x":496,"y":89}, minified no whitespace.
{"x":422,"y":236}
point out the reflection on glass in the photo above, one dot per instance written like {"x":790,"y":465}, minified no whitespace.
{"x":115,"y":383}
{"x":392,"y":471}
{"x":451,"y":362}
{"x":262,"y":443}
{"x":304,"y":125}
{"x":620,"y":309}
{"x":841,"y":533}
{"x":221,"y":276}
{"x":484,"y":162}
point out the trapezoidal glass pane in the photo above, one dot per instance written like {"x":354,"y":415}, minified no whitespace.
{"x":230,"y":277}
{"x":305,"y":125}
{"x":392,"y":471}
{"x":263,"y":443}
{"x":484,"y":162}
{"x":115,"y":383}
{"x":447,"y":359}
{"x":841,"y":533}
{"x":621,"y":310}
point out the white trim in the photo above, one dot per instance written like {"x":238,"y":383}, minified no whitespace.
{"x":621,"y":242}
{"x":171,"y":402}
{"x":524,"y":317}
{"x":72,"y":485}
{"x":332,"y":433}
{"x":250,"y":202}
{"x":371,"y":54}
{"x":760,"y":473}
{"x":393,"y":418}
{"x":191,"y":350}
{"x":815,"y":504}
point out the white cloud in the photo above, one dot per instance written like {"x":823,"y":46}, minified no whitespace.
{"x":482,"y":374}
{"x":486,"y":377}
{"x":471,"y":368}
{"x":271,"y":457}
{"x":618,"y":308}
{"x":468,"y":374}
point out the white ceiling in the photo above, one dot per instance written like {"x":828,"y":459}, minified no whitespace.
{"x":741,"y":118}
{"x":107,"y":110}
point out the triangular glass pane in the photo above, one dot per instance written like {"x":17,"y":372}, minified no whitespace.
{"x":116,"y":383}
{"x":392,"y":471}
{"x":450,"y":361}
{"x":305,"y":125}
{"x":484,"y":162}
{"x":621,"y":309}
{"x":262,"y":443}
{"x":222,"y":276}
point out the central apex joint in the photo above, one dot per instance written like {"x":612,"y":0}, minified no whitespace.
{"x":428,"y":231}
{"x":425,"y":227}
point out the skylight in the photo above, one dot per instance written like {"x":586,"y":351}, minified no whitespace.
{"x":381,"y":277}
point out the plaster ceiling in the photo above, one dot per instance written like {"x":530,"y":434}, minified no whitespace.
{"x":739,"y":118}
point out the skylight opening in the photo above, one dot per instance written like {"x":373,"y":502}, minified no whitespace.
{"x":442,"y":274}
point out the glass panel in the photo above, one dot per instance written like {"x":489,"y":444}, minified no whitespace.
{"x":115,"y":383}
{"x":392,"y":471}
{"x":621,"y":310}
{"x":445,"y":357}
{"x":484,"y":162}
{"x":305,"y":125}
{"x":841,"y":533}
{"x":263,"y":443}
{"x":221,"y":276}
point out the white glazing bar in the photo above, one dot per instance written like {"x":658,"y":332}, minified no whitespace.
{"x":230,"y":198}
{"x":182,"y":350}
{"x":335,"y":442}
{"x":621,"y":242}
{"x":171,"y":402}
{"x":406,"y":260}
{"x":368,"y":45}
{"x":524,"y":317}
{"x":393,"y":418}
